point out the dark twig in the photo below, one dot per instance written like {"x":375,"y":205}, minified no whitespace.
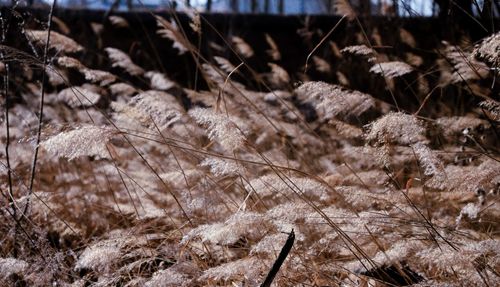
{"x":6,"y":115}
{"x":40,"y":112}
{"x":279,"y":261}
{"x":5,"y":24}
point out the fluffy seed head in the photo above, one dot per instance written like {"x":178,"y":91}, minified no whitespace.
{"x":391,"y":69}
{"x":333,"y":100}
{"x":220,"y":128}
{"x":57,"y":41}
{"x":122,"y":60}
{"x":397,"y":128}
{"x":86,"y":140}
{"x":489,"y":50}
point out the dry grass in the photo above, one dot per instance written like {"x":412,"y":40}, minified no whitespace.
{"x":134,"y":187}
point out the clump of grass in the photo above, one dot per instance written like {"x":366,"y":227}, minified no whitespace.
{"x":143,"y":181}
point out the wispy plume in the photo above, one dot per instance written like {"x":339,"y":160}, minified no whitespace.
{"x":220,"y":128}
{"x":57,"y":41}
{"x":122,"y":60}
{"x":86,"y":140}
